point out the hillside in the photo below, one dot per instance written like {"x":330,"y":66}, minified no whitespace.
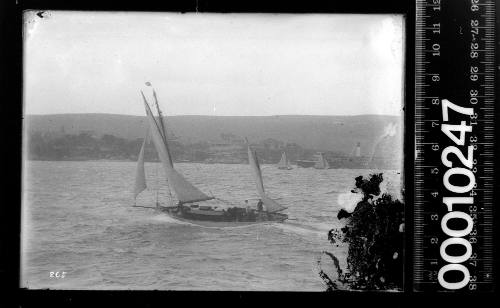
{"x":333,"y":133}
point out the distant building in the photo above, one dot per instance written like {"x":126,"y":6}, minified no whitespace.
{"x":223,"y":147}
{"x":225,"y":152}
{"x":232,"y":138}
{"x":272,"y":144}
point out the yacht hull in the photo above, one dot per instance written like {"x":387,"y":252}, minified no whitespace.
{"x":212,"y":218}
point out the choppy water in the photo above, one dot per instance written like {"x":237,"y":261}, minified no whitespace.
{"x":78,"y":218}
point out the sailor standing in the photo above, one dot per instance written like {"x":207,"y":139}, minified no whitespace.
{"x":259,"y":205}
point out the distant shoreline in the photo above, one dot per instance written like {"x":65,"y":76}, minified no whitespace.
{"x":129,"y":160}
{"x":322,"y":133}
{"x":197,"y":162}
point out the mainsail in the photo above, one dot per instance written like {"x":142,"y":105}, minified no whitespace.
{"x":270,"y":205}
{"x":184,"y":190}
{"x":140,"y":175}
{"x":252,"y":158}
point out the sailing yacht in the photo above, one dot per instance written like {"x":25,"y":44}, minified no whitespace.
{"x":191,"y":201}
{"x":321,"y":163}
{"x":284,"y":163}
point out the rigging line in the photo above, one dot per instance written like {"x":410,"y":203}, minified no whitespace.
{"x":160,"y":116}
{"x":163,"y":126}
{"x":162,"y":131}
{"x":151,"y":112}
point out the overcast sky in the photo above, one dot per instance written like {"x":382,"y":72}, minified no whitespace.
{"x":213,"y":64}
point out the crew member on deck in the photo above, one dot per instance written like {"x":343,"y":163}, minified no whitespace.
{"x":259,"y":206}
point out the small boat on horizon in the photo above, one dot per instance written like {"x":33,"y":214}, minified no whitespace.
{"x":284,"y":163}
{"x":189,"y":206}
{"x":322,"y":162}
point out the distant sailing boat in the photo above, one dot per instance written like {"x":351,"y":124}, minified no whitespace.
{"x":284,"y":164}
{"x":322,"y":163}
{"x":188,"y":196}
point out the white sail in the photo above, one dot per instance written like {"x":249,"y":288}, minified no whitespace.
{"x":322,"y":163}
{"x":325,"y":162}
{"x":184,"y":190}
{"x":254,"y":163}
{"x":140,"y":175}
{"x":283,"y":164}
{"x":269,"y":204}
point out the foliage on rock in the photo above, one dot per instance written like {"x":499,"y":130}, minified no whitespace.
{"x":374,"y":235}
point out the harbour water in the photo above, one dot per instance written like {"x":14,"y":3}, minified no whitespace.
{"x":78,"y":218}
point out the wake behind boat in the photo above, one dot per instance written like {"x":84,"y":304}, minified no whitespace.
{"x":191,"y":205}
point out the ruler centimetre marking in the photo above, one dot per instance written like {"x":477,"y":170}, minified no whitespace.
{"x":454,"y":145}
